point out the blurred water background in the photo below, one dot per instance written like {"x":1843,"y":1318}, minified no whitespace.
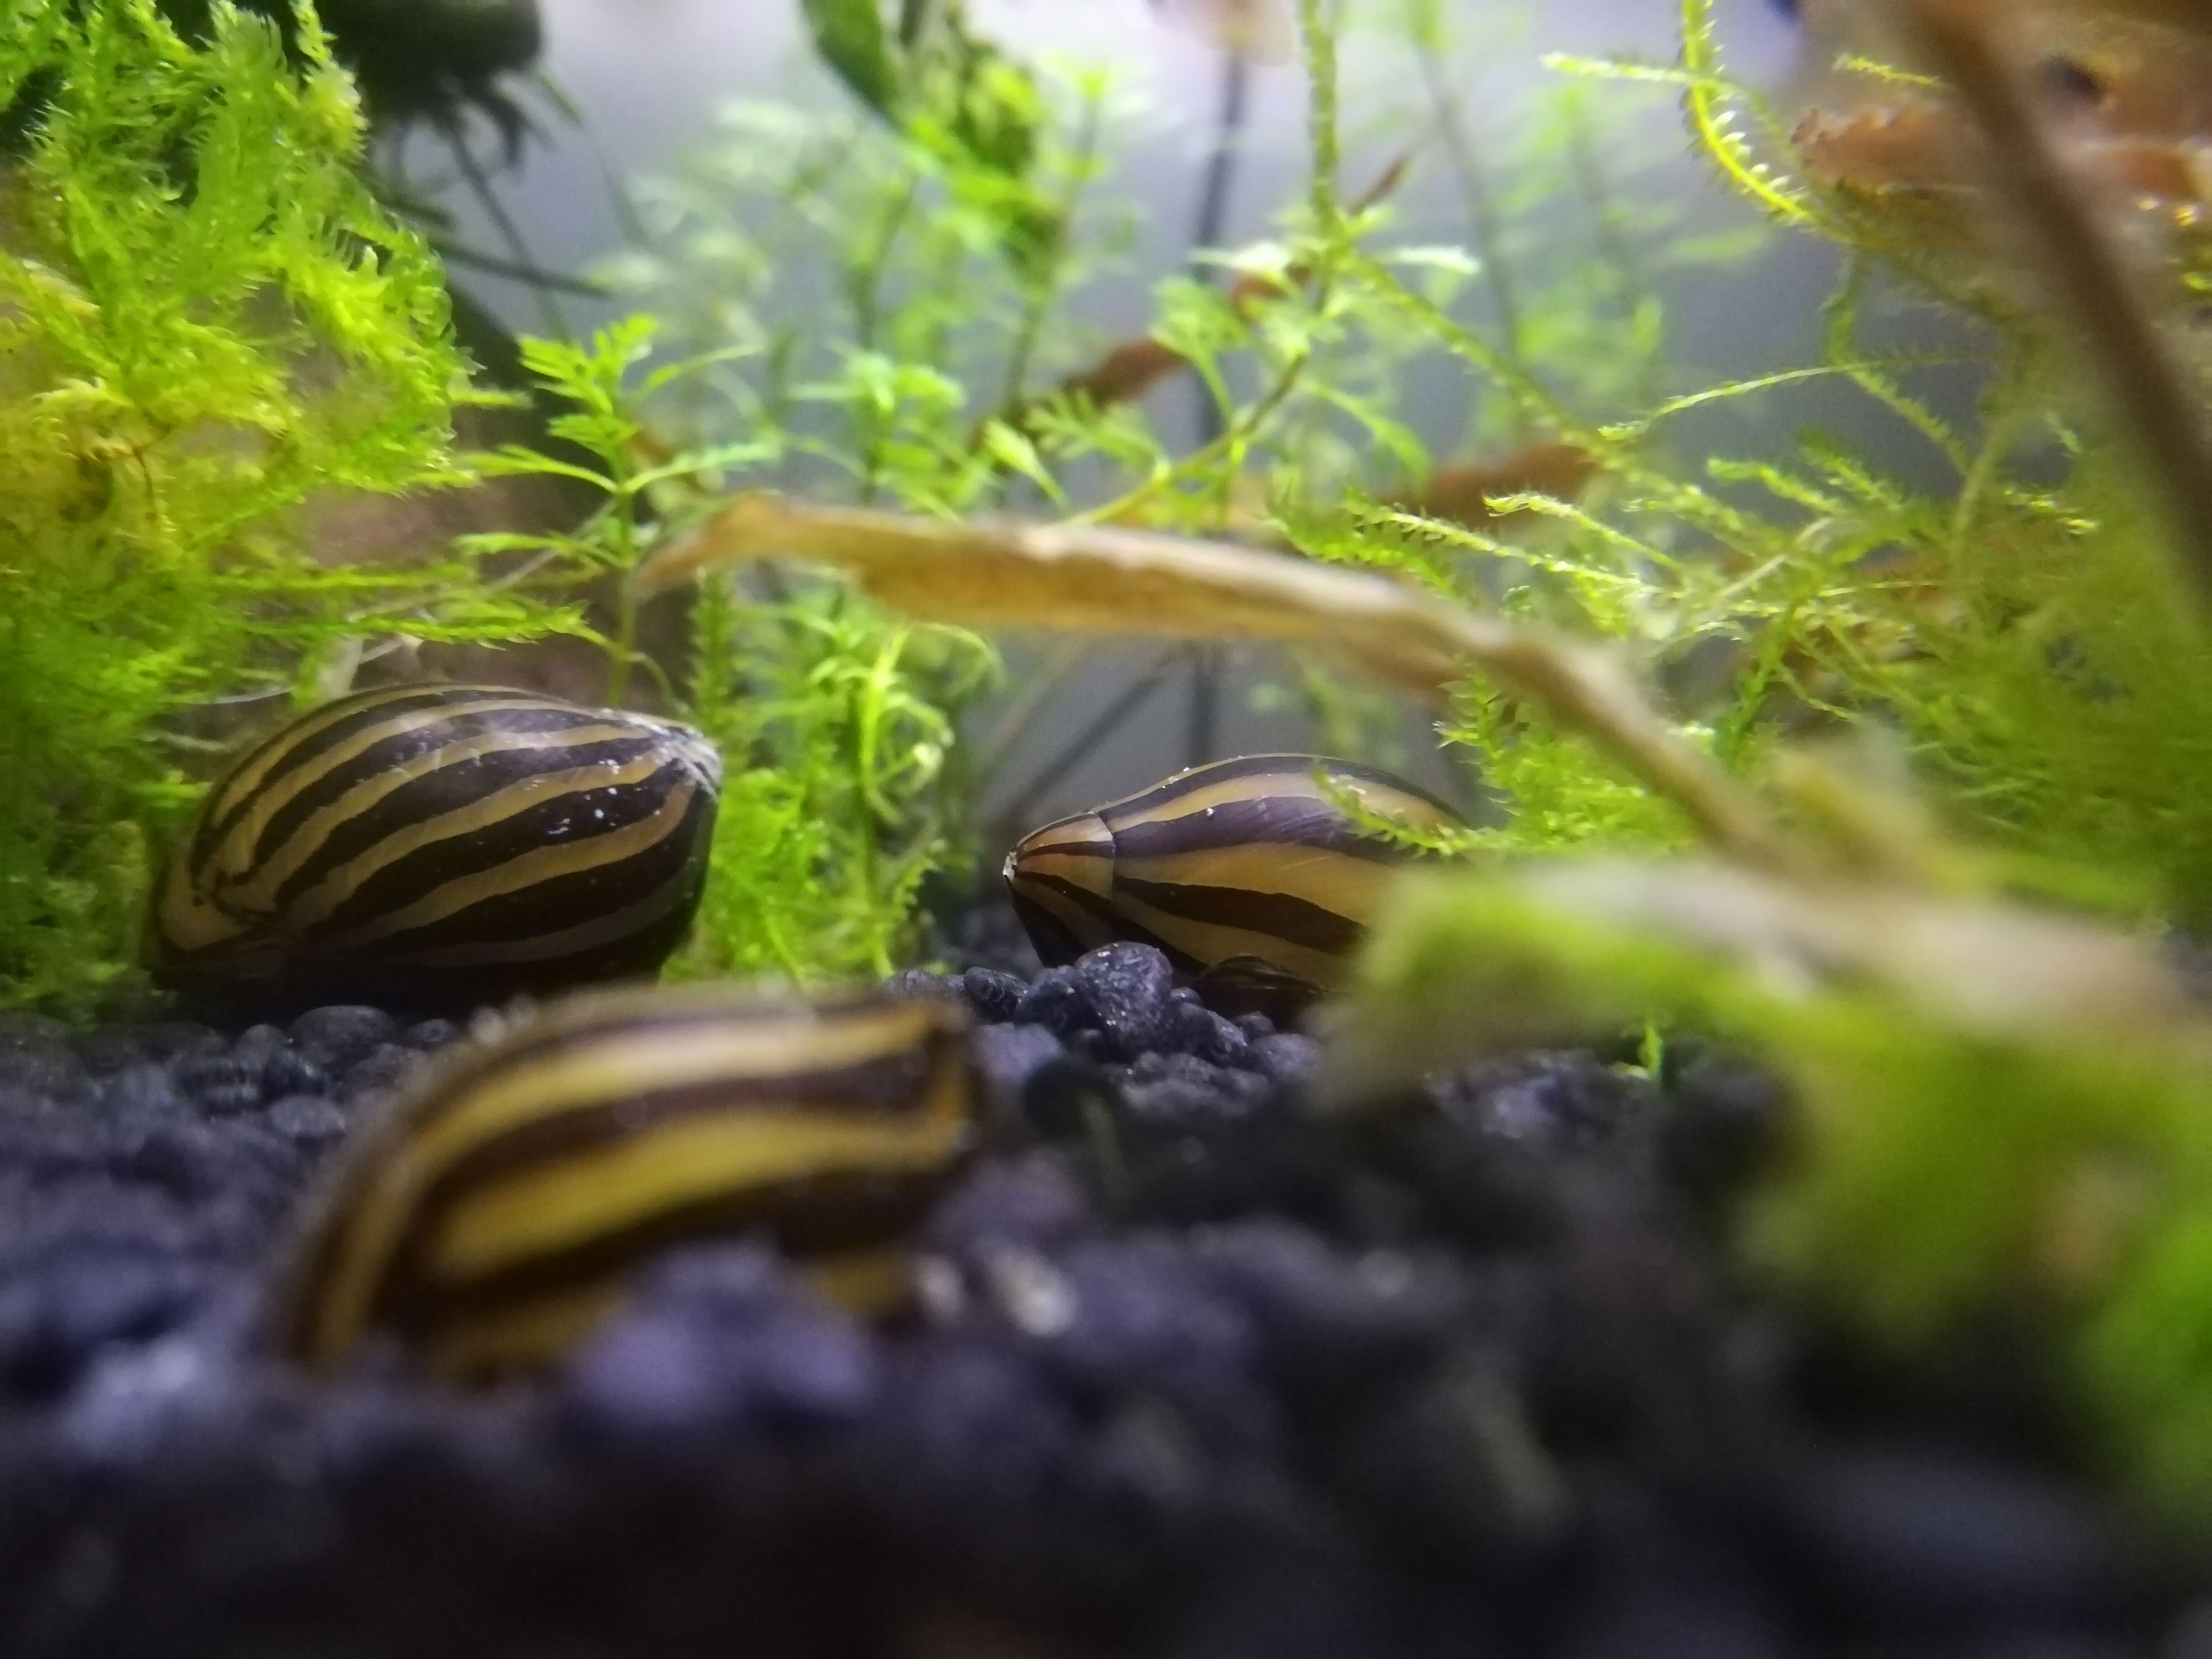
{"x":647,"y":77}
{"x":644,"y":80}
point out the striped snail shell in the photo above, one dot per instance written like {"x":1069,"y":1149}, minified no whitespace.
{"x":437,"y":848}
{"x":1247,"y":873}
{"x":489,"y":1214}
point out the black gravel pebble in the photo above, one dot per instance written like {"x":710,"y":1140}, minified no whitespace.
{"x":144,"y":1088}
{"x":430,"y":1033}
{"x":36,"y":1057}
{"x":718,"y":1341}
{"x":336,"y":1037}
{"x":1034,"y":1202}
{"x":994,"y":996}
{"x":1057,"y":1001}
{"x":312,"y":1122}
{"x":1124,"y":992}
{"x":378,"y":1070}
{"x":1188,"y":1372}
{"x":1010,"y":1056}
{"x":221,"y":1081}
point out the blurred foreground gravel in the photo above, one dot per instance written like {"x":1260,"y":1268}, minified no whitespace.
{"x":1188,"y":1375}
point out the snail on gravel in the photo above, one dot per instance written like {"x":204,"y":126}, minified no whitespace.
{"x":488,"y":1215}
{"x":1250,"y":874}
{"x":438,"y":847}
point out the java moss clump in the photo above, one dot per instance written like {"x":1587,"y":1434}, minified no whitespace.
{"x":209,"y":323}
{"x":1808,"y":1287}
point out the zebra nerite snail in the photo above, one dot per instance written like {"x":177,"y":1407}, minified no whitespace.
{"x":488,"y":1215}
{"x":1247,"y":873}
{"x":437,"y":848}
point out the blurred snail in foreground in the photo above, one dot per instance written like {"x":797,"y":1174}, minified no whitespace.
{"x":1247,"y":873}
{"x":438,"y":847}
{"x":489,"y":1214}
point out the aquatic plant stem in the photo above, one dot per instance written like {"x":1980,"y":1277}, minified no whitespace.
{"x":621,"y":204}
{"x":1040,"y":293}
{"x":866,"y":293}
{"x":1201,"y":736}
{"x":1333,"y":250}
{"x":867,"y":724}
{"x":622,"y":513}
{"x":868,"y":272}
{"x":1039,"y":686}
{"x":1241,"y":431}
{"x":1219,"y":181}
{"x":1481,"y":207}
{"x":549,"y":308}
{"x":1076,"y":749}
{"x":624,"y":648}
{"x":1216,"y":186}
{"x":492,"y":265}
{"x":1637,"y":294}
{"x":1318,"y":34}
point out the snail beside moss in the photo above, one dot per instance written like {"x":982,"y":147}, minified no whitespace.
{"x":437,"y":848}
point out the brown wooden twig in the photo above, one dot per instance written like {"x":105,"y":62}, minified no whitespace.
{"x":1101,"y":580}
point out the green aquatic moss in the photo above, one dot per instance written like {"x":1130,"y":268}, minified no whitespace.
{"x":205,"y":320}
{"x":837,"y":723}
{"x":1960,"y":1146}
{"x":2016,"y":630}
{"x":2023,"y":635}
{"x":2021,"y":627}
{"x":205,"y":323}
{"x":845,"y":795}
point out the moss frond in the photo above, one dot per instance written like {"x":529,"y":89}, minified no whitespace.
{"x":1997,"y":1109}
{"x":838,"y":726}
{"x":206,"y":323}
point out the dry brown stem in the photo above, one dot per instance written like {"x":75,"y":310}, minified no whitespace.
{"x":1099,"y":580}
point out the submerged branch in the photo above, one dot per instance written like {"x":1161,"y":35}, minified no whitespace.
{"x":1094,"y":578}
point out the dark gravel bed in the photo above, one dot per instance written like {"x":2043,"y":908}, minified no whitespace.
{"x":1190,"y":1374}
